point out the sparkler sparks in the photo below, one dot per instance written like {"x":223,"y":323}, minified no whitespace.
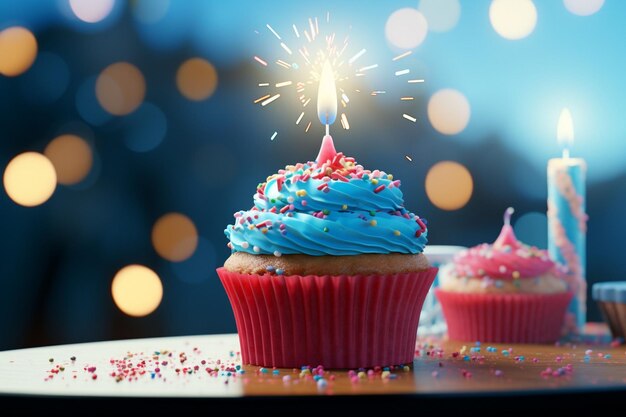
{"x":302,"y":50}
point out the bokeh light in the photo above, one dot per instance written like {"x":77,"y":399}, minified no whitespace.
{"x":406,"y":28}
{"x":145,"y":129}
{"x":137,"y":290}
{"x":174,"y":237}
{"x":30,"y":179}
{"x":91,"y":11}
{"x":583,"y":7}
{"x":441,"y":15}
{"x":120,"y":88}
{"x":150,"y":11}
{"x":18,"y":50}
{"x":72,"y":158}
{"x":531,"y":228}
{"x":448,"y":111}
{"x":196,"y":79}
{"x":449,"y":185}
{"x":513,"y":19}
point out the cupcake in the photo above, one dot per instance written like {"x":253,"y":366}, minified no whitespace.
{"x":505,"y":292}
{"x":327,"y":268}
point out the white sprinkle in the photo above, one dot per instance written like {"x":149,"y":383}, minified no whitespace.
{"x":277,"y":254}
{"x":415,"y":81}
{"x":256,"y":249}
{"x":245,"y":245}
{"x":290,"y":199}
{"x":274,"y":136}
{"x":402,"y":72}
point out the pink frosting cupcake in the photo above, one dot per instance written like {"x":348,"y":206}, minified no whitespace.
{"x":505,"y":292}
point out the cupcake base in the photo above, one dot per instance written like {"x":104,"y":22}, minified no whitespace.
{"x":504,"y":318}
{"x":344,"y":321}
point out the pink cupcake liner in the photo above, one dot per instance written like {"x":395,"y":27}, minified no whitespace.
{"x":504,"y":318}
{"x":344,"y":321}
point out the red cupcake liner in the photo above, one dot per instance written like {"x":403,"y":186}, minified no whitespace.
{"x":504,"y":318}
{"x":344,"y":321}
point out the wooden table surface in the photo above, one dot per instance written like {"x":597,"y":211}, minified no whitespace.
{"x":210,"y":367}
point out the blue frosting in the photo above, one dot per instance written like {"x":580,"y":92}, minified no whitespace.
{"x":337,"y":208}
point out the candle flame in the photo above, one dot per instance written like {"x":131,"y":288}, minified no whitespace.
{"x":565,"y":130}
{"x":327,"y":96}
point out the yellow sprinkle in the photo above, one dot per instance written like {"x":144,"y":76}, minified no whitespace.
{"x":406,"y":368}
{"x":463,"y":349}
{"x":264,"y":230}
{"x":396,"y":232}
{"x":375,"y":181}
{"x":516,"y":274}
{"x":301,"y":193}
{"x":344,"y":207}
{"x":390,"y":177}
{"x":373,"y":222}
{"x":385,"y":374}
{"x":362,"y":375}
{"x":251,"y":227}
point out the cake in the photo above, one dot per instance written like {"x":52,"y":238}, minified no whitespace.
{"x":506,"y":292}
{"x":327,"y":268}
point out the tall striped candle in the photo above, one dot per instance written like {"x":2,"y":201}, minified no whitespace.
{"x":567,"y":221}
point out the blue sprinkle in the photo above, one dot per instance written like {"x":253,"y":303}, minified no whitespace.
{"x":269,"y":268}
{"x":499,"y":284}
{"x":475,"y":349}
{"x":238,"y":367}
{"x":280,"y":271}
{"x":152,"y":375}
{"x":229,"y":374}
{"x":521,"y":358}
{"x":317,"y":377}
{"x":607,"y":356}
{"x":505,"y":352}
{"x":386,"y":368}
{"x":587,"y":358}
{"x":393,"y":376}
{"x":466,"y":358}
{"x":264,"y":370}
{"x":477,"y":343}
{"x":241,"y":372}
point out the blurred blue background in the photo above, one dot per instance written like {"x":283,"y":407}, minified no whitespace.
{"x":167,"y":150}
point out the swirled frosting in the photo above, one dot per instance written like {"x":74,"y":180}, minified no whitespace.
{"x":333,"y":208}
{"x":506,"y":259}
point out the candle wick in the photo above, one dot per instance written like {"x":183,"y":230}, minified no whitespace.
{"x":565,"y":153}
{"x":507,"y":215}
{"x":327,"y":130}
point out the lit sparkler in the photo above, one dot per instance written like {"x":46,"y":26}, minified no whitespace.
{"x":305,"y":53}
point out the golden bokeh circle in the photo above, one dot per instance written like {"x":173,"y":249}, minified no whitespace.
{"x":120,"y":88}
{"x":30,"y":179}
{"x":448,"y":111}
{"x":513,"y":19}
{"x":18,"y":50}
{"x":449,"y":185}
{"x":72,"y":158}
{"x":174,"y":237}
{"x":137,"y":290}
{"x":196,"y":79}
